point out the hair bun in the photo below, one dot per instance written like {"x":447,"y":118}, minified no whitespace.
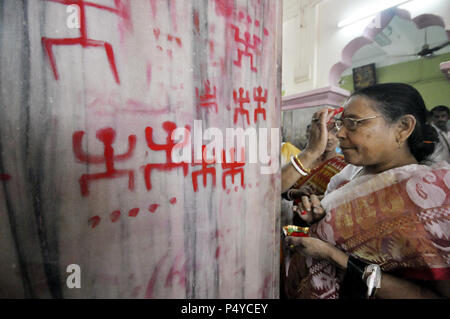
{"x":423,"y":145}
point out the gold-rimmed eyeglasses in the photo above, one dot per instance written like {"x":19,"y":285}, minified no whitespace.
{"x":349,"y":123}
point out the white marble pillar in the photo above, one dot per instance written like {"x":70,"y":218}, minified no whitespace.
{"x":89,"y":91}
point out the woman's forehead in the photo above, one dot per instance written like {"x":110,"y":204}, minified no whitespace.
{"x":359,"y":107}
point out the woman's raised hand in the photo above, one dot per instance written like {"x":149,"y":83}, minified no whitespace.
{"x":317,"y":143}
{"x":318,"y":134}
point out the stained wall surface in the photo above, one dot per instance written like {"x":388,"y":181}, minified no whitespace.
{"x":90,"y":94}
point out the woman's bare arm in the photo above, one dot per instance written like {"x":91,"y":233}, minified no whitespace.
{"x":391,"y":287}
{"x":289,"y":174}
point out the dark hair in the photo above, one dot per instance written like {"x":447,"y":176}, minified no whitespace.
{"x":440,"y":108}
{"x":394,"y":100}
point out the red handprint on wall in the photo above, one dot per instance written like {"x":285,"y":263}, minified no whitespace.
{"x":169,"y":127}
{"x":120,"y":9}
{"x":107,"y":136}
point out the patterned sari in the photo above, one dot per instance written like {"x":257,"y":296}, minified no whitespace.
{"x":398,"y":219}
{"x":321,"y":175}
{"x":318,"y":179}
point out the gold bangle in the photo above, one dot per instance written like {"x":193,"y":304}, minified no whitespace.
{"x":299,"y":163}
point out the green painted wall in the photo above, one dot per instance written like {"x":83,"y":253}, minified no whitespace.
{"x":424,"y":74}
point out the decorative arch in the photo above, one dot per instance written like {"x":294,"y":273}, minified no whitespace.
{"x":370,"y":32}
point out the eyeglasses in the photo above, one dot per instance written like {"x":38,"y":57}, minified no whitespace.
{"x":350,"y":123}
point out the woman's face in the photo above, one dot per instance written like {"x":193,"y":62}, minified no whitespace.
{"x":373,"y":141}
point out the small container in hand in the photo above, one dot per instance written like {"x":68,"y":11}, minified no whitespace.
{"x":295,"y":231}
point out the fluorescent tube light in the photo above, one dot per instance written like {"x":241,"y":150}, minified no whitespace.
{"x":381,"y":7}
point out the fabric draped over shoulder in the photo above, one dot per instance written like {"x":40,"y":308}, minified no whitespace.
{"x":321,"y":175}
{"x":398,"y":219}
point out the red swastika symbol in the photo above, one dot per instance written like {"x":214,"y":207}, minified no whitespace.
{"x":204,"y":171}
{"x":107,"y":137}
{"x":233,"y":168}
{"x":259,"y":98}
{"x":83,"y":40}
{"x":241,"y":100}
{"x":169,"y":127}
{"x":248,"y":46}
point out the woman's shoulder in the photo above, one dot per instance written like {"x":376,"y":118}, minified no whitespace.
{"x":415,"y":169}
{"x":440,"y":165}
{"x":350,"y":172}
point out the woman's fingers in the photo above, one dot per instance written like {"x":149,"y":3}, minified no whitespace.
{"x":298,"y":193}
{"x":323,"y":115}
{"x":330,"y":114}
{"x":309,"y":209}
{"x":318,"y":133}
{"x":323,"y":120}
{"x":306,"y":203}
{"x":314,"y":200}
{"x":298,"y":209}
{"x":308,"y":190}
{"x":317,"y":211}
{"x":304,"y":215}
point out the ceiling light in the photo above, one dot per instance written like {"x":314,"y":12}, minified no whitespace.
{"x":381,"y":6}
